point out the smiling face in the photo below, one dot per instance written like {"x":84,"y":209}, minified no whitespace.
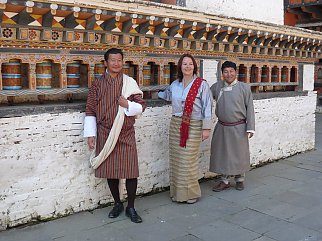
{"x":114,"y":63}
{"x":187,"y":66}
{"x":229,"y":74}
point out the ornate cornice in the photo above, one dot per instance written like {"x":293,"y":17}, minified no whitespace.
{"x":138,"y":24}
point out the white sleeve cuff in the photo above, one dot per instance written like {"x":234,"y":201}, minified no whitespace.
{"x":134,"y":109}
{"x":89,"y":126}
{"x":251,"y":131}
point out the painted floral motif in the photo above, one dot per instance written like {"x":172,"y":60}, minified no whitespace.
{"x":77,"y":36}
{"x":32,"y":34}
{"x":96,"y":37}
{"x":7,"y":33}
{"x":55,"y":35}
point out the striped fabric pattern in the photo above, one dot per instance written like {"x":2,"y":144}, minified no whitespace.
{"x":102,"y":102}
{"x":184,"y":183}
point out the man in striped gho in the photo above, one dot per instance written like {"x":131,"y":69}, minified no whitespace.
{"x":113,"y":101}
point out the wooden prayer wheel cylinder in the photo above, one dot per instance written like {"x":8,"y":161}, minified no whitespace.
{"x":126,"y":69}
{"x":264,"y":76}
{"x":274,"y":74}
{"x":254,"y":74}
{"x":166,"y":74}
{"x":284,"y":74}
{"x":44,"y":75}
{"x":155,"y":75}
{"x":173,"y":73}
{"x":99,"y":70}
{"x":73,"y":75}
{"x":242,"y":74}
{"x":11,"y":75}
{"x":146,"y":75}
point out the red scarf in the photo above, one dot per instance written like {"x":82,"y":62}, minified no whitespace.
{"x":184,"y":129}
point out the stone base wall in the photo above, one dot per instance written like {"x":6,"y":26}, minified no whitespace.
{"x":44,"y":159}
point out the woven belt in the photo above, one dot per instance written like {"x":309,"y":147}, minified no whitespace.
{"x":232,"y":123}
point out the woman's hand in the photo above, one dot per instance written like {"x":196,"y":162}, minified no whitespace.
{"x":205,"y":134}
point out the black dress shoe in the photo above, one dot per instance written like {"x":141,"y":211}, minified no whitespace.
{"x":133,"y":215}
{"x":116,"y":210}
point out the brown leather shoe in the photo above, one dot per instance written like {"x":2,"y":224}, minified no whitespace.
{"x":239,"y":186}
{"x":220,"y":186}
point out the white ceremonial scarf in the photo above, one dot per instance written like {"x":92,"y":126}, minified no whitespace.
{"x":227,"y":87}
{"x":129,"y":88}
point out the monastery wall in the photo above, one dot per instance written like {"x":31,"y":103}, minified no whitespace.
{"x":44,"y":162}
{"x":247,"y":9}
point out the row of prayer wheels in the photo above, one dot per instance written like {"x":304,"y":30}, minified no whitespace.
{"x":264,"y":77}
{"x":151,"y":74}
{"x":12,"y":74}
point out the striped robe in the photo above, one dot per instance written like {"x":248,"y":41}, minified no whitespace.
{"x":102,"y":102}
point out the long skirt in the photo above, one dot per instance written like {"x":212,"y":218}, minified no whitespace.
{"x":184,"y":183}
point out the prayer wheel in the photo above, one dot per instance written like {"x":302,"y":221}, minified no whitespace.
{"x":253,"y":74}
{"x":166,"y":74}
{"x":99,"y":70}
{"x":133,"y":72}
{"x":11,"y":75}
{"x":126,"y":69}
{"x":73,"y":75}
{"x":242,"y":74}
{"x":44,"y":75}
{"x":173,"y":73}
{"x":284,"y":74}
{"x":146,"y":75}
{"x":155,"y":75}
{"x":264,"y":76}
{"x":274,"y":74}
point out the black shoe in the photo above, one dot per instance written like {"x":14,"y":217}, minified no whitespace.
{"x":116,"y":210}
{"x":133,"y":215}
{"x":239,"y":186}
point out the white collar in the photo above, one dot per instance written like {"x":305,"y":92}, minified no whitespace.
{"x":231,"y":84}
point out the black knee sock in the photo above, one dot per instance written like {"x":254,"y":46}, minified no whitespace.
{"x":131,"y":185}
{"x":114,"y":187}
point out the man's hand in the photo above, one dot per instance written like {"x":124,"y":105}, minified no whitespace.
{"x":123,"y":102}
{"x":205,"y":134}
{"x":250,"y":134}
{"x":91,"y":142}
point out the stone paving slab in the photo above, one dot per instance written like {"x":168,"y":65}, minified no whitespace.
{"x":282,"y":201}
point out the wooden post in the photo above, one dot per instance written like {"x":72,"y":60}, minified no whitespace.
{"x":62,"y":76}
{"x":0,"y":76}
{"x":140,"y":77}
{"x":91,"y":75}
{"x":32,"y":76}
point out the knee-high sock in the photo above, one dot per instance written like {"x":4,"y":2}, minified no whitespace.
{"x":131,"y":185}
{"x":114,"y":187}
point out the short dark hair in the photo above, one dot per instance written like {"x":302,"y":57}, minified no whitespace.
{"x":112,"y":51}
{"x":195,"y":66}
{"x":228,"y":64}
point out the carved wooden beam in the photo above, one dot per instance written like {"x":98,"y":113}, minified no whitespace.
{"x":90,"y":22}
{"x":108,"y":25}
{"x":173,"y":30}
{"x":221,"y":35}
{"x":200,"y":33}
{"x":70,"y":21}
{"x":47,"y":19}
